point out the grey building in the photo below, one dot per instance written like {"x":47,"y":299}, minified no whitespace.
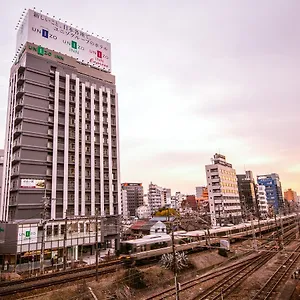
{"x":61,"y":141}
{"x":1,"y":167}
{"x":247,"y":193}
{"x":135,"y":196}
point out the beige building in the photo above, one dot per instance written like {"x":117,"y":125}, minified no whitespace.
{"x":223,"y":194}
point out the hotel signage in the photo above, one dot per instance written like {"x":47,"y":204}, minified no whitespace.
{"x":60,"y":37}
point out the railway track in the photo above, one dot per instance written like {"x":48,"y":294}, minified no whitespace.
{"x":225,"y":286}
{"x":229,"y":283}
{"x":267,"y":290}
{"x":51,"y":281}
{"x":237,"y":273}
{"x":59,"y":273}
{"x":211,"y":275}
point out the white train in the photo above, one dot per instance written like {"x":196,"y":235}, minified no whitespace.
{"x":152,"y":246}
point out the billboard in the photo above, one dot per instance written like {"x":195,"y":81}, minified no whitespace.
{"x":27,"y":234}
{"x":32,"y":183}
{"x":60,"y":37}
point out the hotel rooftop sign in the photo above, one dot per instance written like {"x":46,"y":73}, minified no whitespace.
{"x":52,"y":34}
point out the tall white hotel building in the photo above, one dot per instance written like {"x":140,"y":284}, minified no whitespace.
{"x":223,"y":195}
{"x":62,"y":138}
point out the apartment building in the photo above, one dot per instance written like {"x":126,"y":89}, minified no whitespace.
{"x":135,"y":196}
{"x":224,"y":201}
{"x":247,"y":194}
{"x":273,"y":190}
{"x":262,"y":202}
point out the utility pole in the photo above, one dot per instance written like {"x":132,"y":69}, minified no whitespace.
{"x":44,"y":222}
{"x":282,"y":231}
{"x":97,"y":249}
{"x":278,"y":237}
{"x":253,"y":233}
{"x":297,"y":222}
{"x":64,"y":245}
{"x":174,"y":263}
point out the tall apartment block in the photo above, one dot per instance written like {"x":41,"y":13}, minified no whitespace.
{"x":135,"y":196}
{"x":247,"y":194}
{"x":262,"y":202}
{"x":224,"y":201}
{"x":62,"y":141}
{"x":273,"y":189}
{"x":154,"y":197}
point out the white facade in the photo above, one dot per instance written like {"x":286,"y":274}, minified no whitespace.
{"x":158,"y":227}
{"x":124,"y":205}
{"x":223,"y":195}
{"x":143,"y":212}
{"x":146,"y":201}
{"x":262,"y":200}
{"x":155,"y":197}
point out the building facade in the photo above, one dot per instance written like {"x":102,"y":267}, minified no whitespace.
{"x":290,"y":195}
{"x":143,"y":212}
{"x":124,"y":205}
{"x":1,"y":168}
{"x":262,"y":202}
{"x":273,"y":190}
{"x":247,"y":194}
{"x":155,"y":199}
{"x":135,"y":196}
{"x":224,"y":201}
{"x":200,"y":191}
{"x":61,"y":156}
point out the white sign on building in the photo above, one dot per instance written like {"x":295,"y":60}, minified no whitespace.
{"x":27,"y":234}
{"x":60,"y":37}
{"x":32,"y":183}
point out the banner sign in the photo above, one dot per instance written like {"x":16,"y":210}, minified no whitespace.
{"x":32,"y":183}
{"x":57,"y":36}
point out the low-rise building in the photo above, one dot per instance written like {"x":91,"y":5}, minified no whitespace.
{"x":143,"y":212}
{"x":141,"y":228}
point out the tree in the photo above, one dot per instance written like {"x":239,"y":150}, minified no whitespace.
{"x":165,"y":212}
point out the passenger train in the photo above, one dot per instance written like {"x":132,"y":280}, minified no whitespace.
{"x":153,"y":246}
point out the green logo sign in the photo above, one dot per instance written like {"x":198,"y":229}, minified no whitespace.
{"x":74,"y":45}
{"x":27,"y":233}
{"x":41,"y":50}
{"x":1,"y":229}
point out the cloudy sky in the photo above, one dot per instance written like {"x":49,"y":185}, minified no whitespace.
{"x":194,"y":77}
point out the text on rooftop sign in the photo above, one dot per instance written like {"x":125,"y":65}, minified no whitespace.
{"x":59,"y":37}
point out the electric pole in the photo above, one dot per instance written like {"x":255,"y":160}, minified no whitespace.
{"x":174,"y":262}
{"x":282,"y":231}
{"x":278,"y":237}
{"x":253,"y":233}
{"x":64,"y":245}
{"x":44,"y":221}
{"x":297,"y":221}
{"x":97,"y":249}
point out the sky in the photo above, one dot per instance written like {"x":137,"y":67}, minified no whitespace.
{"x":194,"y":78}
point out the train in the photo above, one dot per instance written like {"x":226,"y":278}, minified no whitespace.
{"x":154,"y":246}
